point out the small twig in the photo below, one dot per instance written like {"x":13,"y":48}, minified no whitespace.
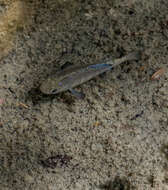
{"x":157,"y":74}
{"x":23,"y":105}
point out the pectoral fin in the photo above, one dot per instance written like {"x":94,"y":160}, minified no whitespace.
{"x":77,"y":94}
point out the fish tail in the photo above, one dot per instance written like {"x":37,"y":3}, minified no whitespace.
{"x":134,"y":56}
{"x":131,"y":56}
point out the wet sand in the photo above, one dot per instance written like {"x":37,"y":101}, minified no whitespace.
{"x":116,"y":138}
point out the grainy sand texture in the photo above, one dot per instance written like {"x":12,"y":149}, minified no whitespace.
{"x":114,"y":139}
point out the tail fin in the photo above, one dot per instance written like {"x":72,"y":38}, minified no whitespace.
{"x":134,"y":56}
{"x":131,"y":56}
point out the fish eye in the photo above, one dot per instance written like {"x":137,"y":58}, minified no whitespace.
{"x":54,"y":91}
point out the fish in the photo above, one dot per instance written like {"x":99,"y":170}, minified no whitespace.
{"x":73,"y":76}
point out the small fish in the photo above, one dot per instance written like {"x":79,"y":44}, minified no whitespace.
{"x":73,"y":76}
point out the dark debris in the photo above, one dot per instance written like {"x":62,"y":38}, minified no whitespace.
{"x":117,"y":184}
{"x":56,"y":161}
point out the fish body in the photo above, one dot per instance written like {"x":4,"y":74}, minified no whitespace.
{"x":73,"y":76}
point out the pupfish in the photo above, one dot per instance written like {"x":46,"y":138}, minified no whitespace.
{"x":71,"y":77}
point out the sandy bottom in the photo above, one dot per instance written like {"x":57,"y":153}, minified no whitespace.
{"x":114,"y":139}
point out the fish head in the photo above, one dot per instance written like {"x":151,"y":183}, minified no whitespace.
{"x":51,"y":86}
